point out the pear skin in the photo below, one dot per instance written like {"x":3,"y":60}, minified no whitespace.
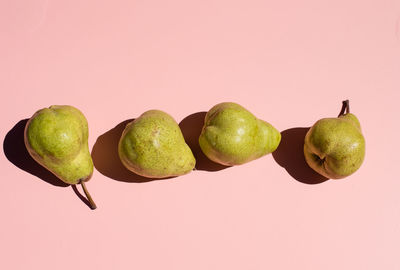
{"x":335,"y":147}
{"x":57,"y":138}
{"x":153,"y":146}
{"x":232,"y":135}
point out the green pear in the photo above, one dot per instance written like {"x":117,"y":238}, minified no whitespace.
{"x":153,"y":146}
{"x":335,"y":147}
{"x":232,"y":135}
{"x":57,"y":138}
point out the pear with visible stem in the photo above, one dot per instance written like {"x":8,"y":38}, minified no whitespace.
{"x":153,"y":146}
{"x":232,"y":135}
{"x":57,"y":138}
{"x":335,"y":147}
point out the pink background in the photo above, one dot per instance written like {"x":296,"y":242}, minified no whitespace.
{"x":289,"y":62}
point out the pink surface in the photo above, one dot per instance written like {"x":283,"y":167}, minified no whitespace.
{"x":289,"y":62}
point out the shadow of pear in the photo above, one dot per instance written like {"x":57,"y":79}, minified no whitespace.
{"x":191,"y":127}
{"x":106,"y":158}
{"x":290,"y":156}
{"x":16,"y":152}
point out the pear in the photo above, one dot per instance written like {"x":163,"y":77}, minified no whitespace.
{"x":57,"y":138}
{"x":153,"y":146}
{"x":335,"y":147}
{"x":232,"y":135}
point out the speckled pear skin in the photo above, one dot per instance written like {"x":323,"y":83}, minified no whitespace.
{"x":232,"y":135}
{"x":153,"y":146}
{"x":335,"y":147}
{"x":57,"y":138}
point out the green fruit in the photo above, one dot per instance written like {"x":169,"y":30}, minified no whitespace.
{"x":231,"y":135}
{"x":153,"y":146}
{"x":57,"y":138}
{"x":335,"y":147}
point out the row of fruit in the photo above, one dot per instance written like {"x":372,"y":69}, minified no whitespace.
{"x":153,"y":146}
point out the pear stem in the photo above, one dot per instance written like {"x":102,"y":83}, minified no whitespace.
{"x":345,"y":107}
{"x":91,"y":202}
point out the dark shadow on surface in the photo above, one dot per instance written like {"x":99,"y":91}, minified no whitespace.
{"x":290,"y":156}
{"x":15,"y":151}
{"x":191,"y":128}
{"x":106,"y":159}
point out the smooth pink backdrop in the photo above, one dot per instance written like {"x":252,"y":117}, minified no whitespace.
{"x":289,"y":62}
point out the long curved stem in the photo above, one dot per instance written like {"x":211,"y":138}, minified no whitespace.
{"x":345,"y":107}
{"x":91,"y":202}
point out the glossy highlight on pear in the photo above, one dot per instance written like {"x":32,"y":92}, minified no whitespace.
{"x":335,"y":147}
{"x":232,"y":135}
{"x":153,"y":146}
{"x":57,"y":138}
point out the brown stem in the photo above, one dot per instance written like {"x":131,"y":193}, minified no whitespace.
{"x":345,"y":107}
{"x":91,"y":202}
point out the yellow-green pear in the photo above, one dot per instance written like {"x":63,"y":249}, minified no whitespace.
{"x":232,"y":135}
{"x":57,"y":138}
{"x":335,"y":147}
{"x":153,"y":146}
